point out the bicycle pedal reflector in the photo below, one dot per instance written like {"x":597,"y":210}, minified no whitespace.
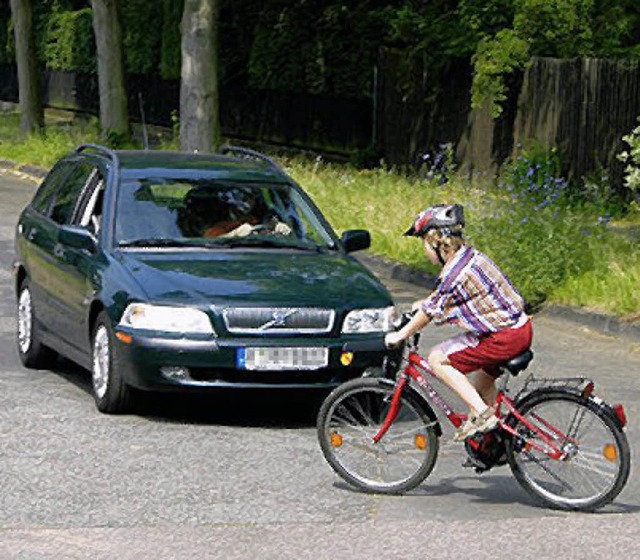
{"x":610,"y":452}
{"x":420,"y":441}
{"x":336,"y":439}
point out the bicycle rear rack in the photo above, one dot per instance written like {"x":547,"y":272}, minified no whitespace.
{"x":575,"y":385}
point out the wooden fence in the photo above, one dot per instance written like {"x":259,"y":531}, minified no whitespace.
{"x":581,"y":106}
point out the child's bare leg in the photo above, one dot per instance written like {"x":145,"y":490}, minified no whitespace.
{"x":485,"y":385}
{"x":457,"y":381}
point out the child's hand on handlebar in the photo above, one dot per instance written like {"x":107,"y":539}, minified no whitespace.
{"x":392,"y":339}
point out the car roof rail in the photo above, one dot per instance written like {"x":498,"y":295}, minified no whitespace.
{"x":97,"y":148}
{"x":247,"y":153}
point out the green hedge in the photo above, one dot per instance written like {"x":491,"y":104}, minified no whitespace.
{"x":67,"y":42}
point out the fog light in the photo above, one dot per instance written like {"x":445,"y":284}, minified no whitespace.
{"x":346,"y":358}
{"x":175,"y":373}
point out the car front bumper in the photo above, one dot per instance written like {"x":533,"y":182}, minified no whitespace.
{"x":174,"y":364}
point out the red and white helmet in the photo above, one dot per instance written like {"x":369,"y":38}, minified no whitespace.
{"x":448,"y":218}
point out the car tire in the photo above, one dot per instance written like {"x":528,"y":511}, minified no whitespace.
{"x":111,"y":393}
{"x":33,"y":354}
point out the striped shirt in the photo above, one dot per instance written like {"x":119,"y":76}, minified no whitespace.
{"x":475,"y":294}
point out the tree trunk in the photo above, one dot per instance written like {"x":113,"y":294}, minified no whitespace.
{"x":31,"y":112}
{"x":199,"y":104}
{"x":114,"y":116}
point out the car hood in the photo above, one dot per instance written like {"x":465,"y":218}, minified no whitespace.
{"x":283,"y":278}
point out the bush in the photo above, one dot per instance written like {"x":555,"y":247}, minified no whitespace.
{"x":631,"y":157}
{"x":534,"y":177}
{"x":67,"y":41}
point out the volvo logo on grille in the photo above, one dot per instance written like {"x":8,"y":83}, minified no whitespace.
{"x":279,"y":319}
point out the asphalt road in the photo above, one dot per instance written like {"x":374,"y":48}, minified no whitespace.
{"x":241,"y":476}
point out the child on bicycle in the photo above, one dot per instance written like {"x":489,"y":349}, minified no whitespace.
{"x":472,"y":293}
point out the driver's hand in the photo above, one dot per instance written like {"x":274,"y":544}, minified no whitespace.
{"x":282,"y":229}
{"x":392,"y":339}
{"x":241,"y":231}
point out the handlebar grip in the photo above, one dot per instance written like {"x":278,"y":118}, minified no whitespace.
{"x":369,"y":345}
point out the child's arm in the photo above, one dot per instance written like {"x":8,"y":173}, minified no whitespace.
{"x":419,"y":321}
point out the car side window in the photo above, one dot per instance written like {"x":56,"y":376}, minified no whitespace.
{"x":42,"y":199}
{"x":67,"y":195}
{"x":89,"y":212}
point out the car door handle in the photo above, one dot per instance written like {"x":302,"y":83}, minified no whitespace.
{"x":58,"y":251}
{"x":32,"y":234}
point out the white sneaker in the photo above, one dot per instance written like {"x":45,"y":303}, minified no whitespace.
{"x":486,"y":421}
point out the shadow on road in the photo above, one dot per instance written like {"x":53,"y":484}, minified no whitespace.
{"x":243,"y":408}
{"x":494,"y":490}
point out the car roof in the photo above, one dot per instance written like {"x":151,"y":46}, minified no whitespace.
{"x":150,"y":163}
{"x":247,"y":166}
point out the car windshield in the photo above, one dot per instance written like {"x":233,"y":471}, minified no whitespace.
{"x":213,"y":213}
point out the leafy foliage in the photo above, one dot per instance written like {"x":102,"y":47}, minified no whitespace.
{"x":66,"y":40}
{"x":170,"y":58}
{"x":6,"y":39}
{"x":141,"y":21}
{"x":495,"y":58}
{"x":631,"y":157}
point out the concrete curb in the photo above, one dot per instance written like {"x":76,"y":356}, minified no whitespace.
{"x":25,"y":171}
{"x":605,"y":324}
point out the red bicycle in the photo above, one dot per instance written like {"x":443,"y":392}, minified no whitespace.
{"x":565,"y":446}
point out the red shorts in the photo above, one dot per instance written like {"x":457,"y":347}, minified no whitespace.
{"x":471,"y":351}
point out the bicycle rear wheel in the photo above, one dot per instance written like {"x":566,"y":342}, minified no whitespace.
{"x":597,"y":458}
{"x":348,"y":420}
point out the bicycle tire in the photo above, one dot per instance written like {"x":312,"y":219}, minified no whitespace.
{"x":598,"y":461}
{"x":349,"y":418}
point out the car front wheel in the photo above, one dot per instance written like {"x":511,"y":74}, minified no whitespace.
{"x":110,"y":392}
{"x":33,"y":354}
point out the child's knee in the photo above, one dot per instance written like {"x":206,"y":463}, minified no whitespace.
{"x":437,"y":358}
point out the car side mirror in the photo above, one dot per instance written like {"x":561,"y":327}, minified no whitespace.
{"x":356,"y":240}
{"x":77,"y":237}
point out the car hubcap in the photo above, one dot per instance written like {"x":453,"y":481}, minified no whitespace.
{"x":101,"y":357}
{"x":25,"y":321}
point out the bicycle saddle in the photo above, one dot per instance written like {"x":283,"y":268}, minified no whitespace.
{"x":517,"y":364}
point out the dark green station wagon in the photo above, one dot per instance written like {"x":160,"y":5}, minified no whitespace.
{"x":172,"y":271}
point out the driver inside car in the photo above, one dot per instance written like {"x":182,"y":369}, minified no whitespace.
{"x":247,"y":213}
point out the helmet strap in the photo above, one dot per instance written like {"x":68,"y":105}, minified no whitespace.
{"x":438,"y":251}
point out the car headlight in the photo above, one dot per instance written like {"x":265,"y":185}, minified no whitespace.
{"x":369,"y":320}
{"x":167,"y":319}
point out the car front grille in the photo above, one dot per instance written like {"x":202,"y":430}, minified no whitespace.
{"x":278,"y":320}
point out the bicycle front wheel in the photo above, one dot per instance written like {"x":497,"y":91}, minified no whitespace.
{"x":352,"y":415}
{"x":596,"y":458}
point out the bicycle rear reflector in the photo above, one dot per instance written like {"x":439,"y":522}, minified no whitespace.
{"x":336,"y":439}
{"x":622,"y":417}
{"x":610,"y":452}
{"x":586,"y":392}
{"x":420,"y":441}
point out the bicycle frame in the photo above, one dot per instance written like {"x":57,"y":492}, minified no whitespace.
{"x":412,"y":371}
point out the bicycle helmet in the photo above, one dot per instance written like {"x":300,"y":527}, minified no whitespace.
{"x":448,"y":218}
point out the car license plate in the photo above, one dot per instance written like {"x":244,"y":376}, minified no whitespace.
{"x":282,"y":358}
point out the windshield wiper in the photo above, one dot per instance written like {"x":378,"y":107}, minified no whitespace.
{"x":232,"y":242}
{"x":157,"y":242}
